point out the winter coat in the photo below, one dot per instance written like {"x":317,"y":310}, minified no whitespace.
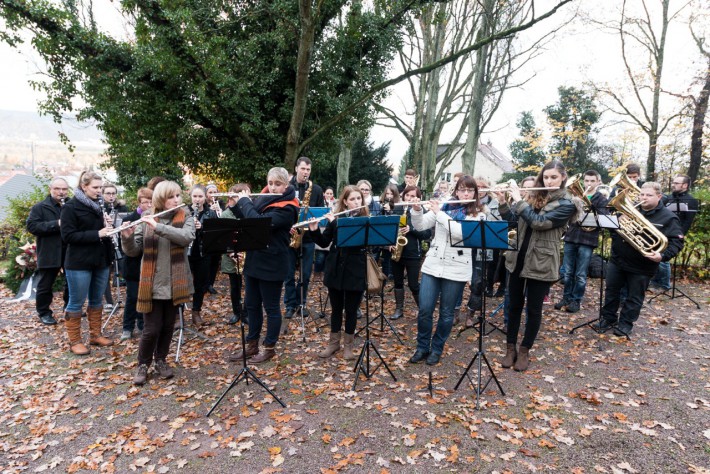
{"x":167,"y":234}
{"x":43,"y":223}
{"x":345,"y":267}
{"x":686,"y":218}
{"x":132,"y":268}
{"x":626,"y":257}
{"x":577,"y":234}
{"x":80,"y":230}
{"x":270,"y":263}
{"x":542,"y":258}
{"x":442,"y":260}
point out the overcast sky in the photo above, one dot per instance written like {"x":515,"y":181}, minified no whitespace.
{"x":578,"y":54}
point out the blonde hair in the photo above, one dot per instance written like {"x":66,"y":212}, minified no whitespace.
{"x":278,"y":173}
{"x":86,"y":177}
{"x":162,"y":192}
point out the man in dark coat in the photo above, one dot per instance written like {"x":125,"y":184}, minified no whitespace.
{"x":43,"y":222}
{"x":628,"y":267}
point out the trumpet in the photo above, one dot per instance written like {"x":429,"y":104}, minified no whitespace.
{"x":250,"y":194}
{"x":142,"y":219}
{"x":318,"y":219}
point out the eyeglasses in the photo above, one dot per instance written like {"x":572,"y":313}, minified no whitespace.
{"x":364,"y":190}
{"x":681,"y":183}
{"x":467,"y":190}
{"x":109,"y":194}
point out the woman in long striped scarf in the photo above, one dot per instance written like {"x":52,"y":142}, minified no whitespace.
{"x":165,"y":280}
{"x":446,"y":269}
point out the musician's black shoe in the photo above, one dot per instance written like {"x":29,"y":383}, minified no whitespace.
{"x":418,"y":357}
{"x":233,"y":320}
{"x":604,"y":325}
{"x":48,"y":319}
{"x":623,"y":330}
{"x":211,"y":290}
{"x":289,"y":313}
{"x":573,"y":307}
{"x":433,"y":359}
{"x":561,"y":304}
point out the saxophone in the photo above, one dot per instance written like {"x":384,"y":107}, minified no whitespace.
{"x":297,"y":237}
{"x":635,"y":228}
{"x":402,"y":241}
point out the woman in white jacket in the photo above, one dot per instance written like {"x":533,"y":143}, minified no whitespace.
{"x":446,"y":269}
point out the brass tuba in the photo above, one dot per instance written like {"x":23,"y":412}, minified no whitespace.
{"x":635,"y":229}
{"x":623,"y":182}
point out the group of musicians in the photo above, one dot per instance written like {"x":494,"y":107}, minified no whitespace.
{"x":166,"y":266}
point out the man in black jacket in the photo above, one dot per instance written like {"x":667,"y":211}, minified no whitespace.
{"x":628,"y":267}
{"x":685,"y":206}
{"x":580,"y":243}
{"x":295,"y":295}
{"x":43,"y":222}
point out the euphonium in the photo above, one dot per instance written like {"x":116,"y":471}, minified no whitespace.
{"x":635,"y":228}
{"x":297,"y":237}
{"x":623,"y":182}
{"x":576,"y":188}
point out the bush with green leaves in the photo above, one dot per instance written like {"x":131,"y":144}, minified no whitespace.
{"x":695,"y":256}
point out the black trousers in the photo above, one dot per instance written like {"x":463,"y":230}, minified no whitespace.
{"x":200,"y":268}
{"x":131,"y":317}
{"x":157,"y":332}
{"x":45,"y":280}
{"x":636,"y":284}
{"x":412,"y":266}
{"x":536,"y":291}
{"x":235,"y":292}
{"x":344,"y":300}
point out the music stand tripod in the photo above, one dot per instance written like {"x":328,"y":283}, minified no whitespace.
{"x":593,"y":218}
{"x":117,"y":255}
{"x":381,"y":316}
{"x":678,"y":207}
{"x":481,"y":235}
{"x":305,"y":214}
{"x":367,"y":232}
{"x":239,"y":235}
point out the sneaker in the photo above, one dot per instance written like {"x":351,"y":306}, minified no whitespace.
{"x":418,"y":357}
{"x":108,"y":306}
{"x":48,"y":319}
{"x":164,"y":370}
{"x":604,"y":325}
{"x":289,"y":313}
{"x":573,"y":307}
{"x":126,"y":335}
{"x":141,"y":375}
{"x":546,"y":300}
{"x":623,"y":330}
{"x":561,"y":304}
{"x":433,"y":359}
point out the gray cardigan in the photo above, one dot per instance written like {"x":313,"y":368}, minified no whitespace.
{"x":162,"y":280}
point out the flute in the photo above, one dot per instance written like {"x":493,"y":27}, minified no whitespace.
{"x":509,"y":188}
{"x":318,"y":219}
{"x":424,"y":203}
{"x":250,"y":194}
{"x":142,"y":219}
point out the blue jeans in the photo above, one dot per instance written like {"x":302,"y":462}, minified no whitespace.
{"x":83,"y":283}
{"x":292,"y":294}
{"x":430,"y":291}
{"x":662,"y":277}
{"x":575,"y":263}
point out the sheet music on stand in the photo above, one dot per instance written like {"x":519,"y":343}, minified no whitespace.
{"x":309,"y":213}
{"x":602,"y":221}
{"x":678,"y":207}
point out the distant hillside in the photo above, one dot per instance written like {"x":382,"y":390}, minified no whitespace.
{"x":29,"y":126}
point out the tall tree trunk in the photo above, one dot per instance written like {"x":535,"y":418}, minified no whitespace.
{"x":658,"y":73}
{"x":478,"y":94}
{"x":345,"y":157}
{"x":303,"y":69}
{"x":696,"y":138}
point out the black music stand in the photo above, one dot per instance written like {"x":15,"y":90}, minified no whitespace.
{"x":678,"y":207}
{"x":594,"y":218}
{"x":481,"y":235}
{"x":238,"y":235}
{"x":367,"y":232}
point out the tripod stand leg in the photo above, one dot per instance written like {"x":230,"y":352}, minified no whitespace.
{"x":465,"y":372}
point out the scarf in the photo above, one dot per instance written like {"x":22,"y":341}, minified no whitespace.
{"x":90,"y":203}
{"x":456,"y":211}
{"x":288,"y":198}
{"x":178,"y":270}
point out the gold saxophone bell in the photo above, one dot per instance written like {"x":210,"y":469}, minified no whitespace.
{"x":297,"y":237}
{"x":636,"y":229}
{"x":399,"y":248}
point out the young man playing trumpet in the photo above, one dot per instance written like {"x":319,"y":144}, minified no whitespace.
{"x":629,"y":268}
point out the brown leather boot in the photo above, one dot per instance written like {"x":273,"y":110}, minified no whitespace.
{"x":72,"y":321}
{"x":332,"y":347}
{"x":252,"y":350}
{"x":264,"y":356}
{"x":523,"y":360}
{"x":348,"y":353}
{"x":510,"y":355}
{"x":95,"y":337}
{"x":197,"y":319}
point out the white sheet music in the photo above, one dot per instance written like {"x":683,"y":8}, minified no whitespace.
{"x":605,"y":221}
